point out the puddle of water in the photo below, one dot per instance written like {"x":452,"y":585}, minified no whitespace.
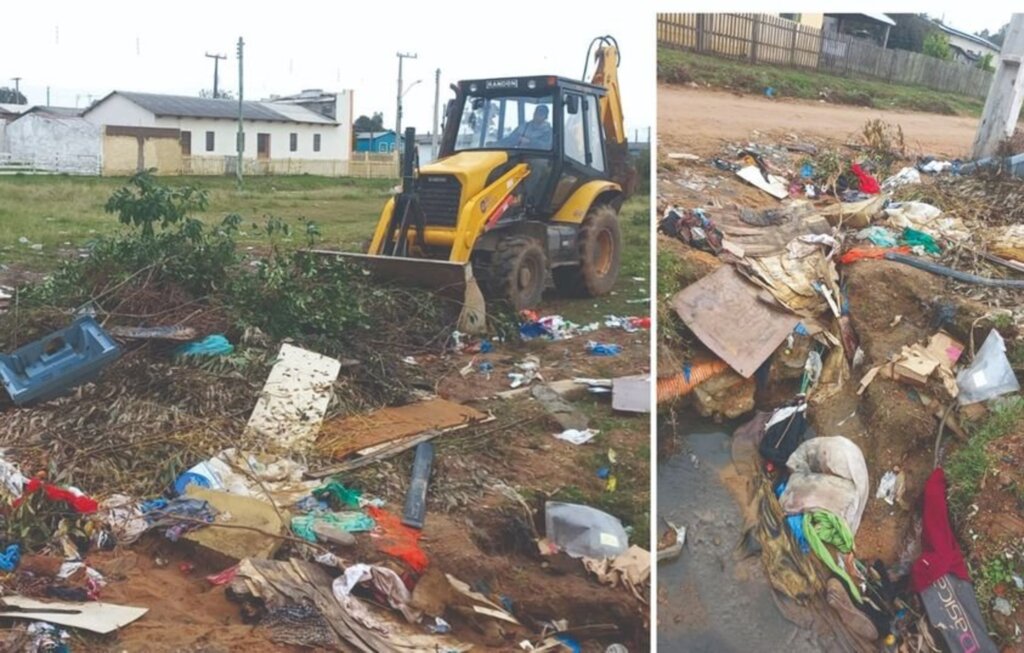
{"x":708,"y":600}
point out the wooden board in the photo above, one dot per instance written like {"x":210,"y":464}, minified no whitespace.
{"x":93,"y":616}
{"x":294,"y":399}
{"x":723,"y":310}
{"x":344,"y":436}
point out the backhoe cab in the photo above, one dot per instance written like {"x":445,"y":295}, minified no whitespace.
{"x":526,"y":185}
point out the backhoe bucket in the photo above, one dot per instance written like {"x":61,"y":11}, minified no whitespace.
{"x":452,"y":281}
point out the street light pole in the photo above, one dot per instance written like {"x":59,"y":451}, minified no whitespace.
{"x":398,"y":113}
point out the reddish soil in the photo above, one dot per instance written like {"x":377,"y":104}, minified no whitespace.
{"x":692,"y":120}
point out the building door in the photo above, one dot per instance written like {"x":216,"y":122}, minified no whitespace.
{"x":262,"y":146}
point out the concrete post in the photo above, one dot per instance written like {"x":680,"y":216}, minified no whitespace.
{"x":1003,"y":104}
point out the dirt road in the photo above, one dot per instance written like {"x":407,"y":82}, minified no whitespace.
{"x":698,"y":119}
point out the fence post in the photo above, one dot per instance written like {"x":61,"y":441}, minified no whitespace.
{"x":700,"y":32}
{"x":755,"y":36}
{"x":792,"y":45}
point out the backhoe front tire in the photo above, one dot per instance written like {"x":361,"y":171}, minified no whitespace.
{"x":600,"y":255}
{"x":519,"y":269}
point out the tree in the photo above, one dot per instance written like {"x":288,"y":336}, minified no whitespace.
{"x":936,"y":44}
{"x":909,"y":32}
{"x":374,"y":124}
{"x":221,"y":94}
{"x":995,"y":37}
{"x":985,"y":62}
{"x":11,"y":96}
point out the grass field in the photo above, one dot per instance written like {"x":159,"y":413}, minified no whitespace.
{"x":675,"y":66}
{"x":63,"y":212}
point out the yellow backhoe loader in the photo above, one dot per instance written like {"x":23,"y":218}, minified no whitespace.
{"x":528,"y":182}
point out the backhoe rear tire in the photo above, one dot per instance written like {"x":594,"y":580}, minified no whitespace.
{"x":519,"y":270}
{"x":600,"y":255}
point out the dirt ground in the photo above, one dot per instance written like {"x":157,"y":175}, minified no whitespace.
{"x":692,"y":120}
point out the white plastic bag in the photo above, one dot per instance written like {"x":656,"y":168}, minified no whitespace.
{"x":584,"y":531}
{"x":990,"y":375}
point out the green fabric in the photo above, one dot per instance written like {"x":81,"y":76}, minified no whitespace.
{"x":916,"y":238}
{"x":353,"y":522}
{"x":341,"y":495}
{"x":822,"y":527}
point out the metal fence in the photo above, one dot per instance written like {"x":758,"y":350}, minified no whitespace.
{"x":762,"y":38}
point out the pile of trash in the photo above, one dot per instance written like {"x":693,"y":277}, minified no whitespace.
{"x":775,"y":319}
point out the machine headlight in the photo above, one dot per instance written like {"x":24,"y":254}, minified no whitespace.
{"x":532,"y":84}
{"x":472,"y":88}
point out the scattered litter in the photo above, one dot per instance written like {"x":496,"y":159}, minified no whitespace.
{"x":577,"y":436}
{"x":553,"y":327}
{"x":990,"y":375}
{"x":629,"y":570}
{"x":907,"y":175}
{"x":530,"y":371}
{"x":582,"y":531}
{"x":775,"y":186}
{"x":416,"y":498}
{"x":878,"y":235}
{"x":49,"y":367}
{"x":683,"y":156}
{"x":568,"y":417}
{"x":632,"y":394}
{"x":214,"y":345}
{"x":602,"y":349}
{"x":671,"y":543}
{"x":236,"y":543}
{"x":94,"y":616}
{"x":891,"y":486}
{"x":1002,"y":606}
{"x":153,"y":333}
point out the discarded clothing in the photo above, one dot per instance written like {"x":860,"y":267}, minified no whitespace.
{"x":164,"y":514}
{"x":828,"y":473}
{"x":336,"y":493}
{"x":795,"y":523}
{"x":953,"y":611}
{"x":693,"y":228}
{"x":10,"y":557}
{"x":384,"y":581}
{"x":822,"y":527}
{"x":603,"y":349}
{"x":70,"y":495}
{"x":866,"y":183}
{"x":350,"y":522}
{"x":398,"y":540}
{"x":878,"y":235}
{"x":940,"y":552}
{"x":914,"y":238}
{"x":124,"y":517}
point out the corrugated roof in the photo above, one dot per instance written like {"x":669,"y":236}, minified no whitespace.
{"x":882,"y":18}
{"x":970,"y":37}
{"x":185,"y":106}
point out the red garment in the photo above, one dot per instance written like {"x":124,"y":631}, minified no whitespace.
{"x":74,"y":498}
{"x":940,"y":553}
{"x":398,"y":540}
{"x":868,"y":184}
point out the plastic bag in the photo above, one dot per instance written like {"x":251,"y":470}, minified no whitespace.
{"x":582,"y":531}
{"x":990,"y":375}
{"x":878,"y":235}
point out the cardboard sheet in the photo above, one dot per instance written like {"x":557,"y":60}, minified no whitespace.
{"x":722,"y":309}
{"x":775,"y":186}
{"x":345,"y":436}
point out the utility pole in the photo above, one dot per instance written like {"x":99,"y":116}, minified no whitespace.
{"x":47,"y":96}
{"x":240,"y":145}
{"x":216,"y":62}
{"x":17,"y":87}
{"x":398,"y":114}
{"x":1005,"y":96}
{"x":437,"y":105}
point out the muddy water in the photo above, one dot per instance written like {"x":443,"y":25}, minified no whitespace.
{"x":709,"y":600}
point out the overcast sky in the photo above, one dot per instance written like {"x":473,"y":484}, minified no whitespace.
{"x":78,"y":49}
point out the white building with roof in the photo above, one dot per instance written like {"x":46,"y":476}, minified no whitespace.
{"x":967,"y":48}
{"x":53,"y":139}
{"x":310,"y":133}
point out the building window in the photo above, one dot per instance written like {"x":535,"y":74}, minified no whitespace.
{"x":209,"y":141}
{"x":186,"y":143}
{"x":316,"y":142}
{"x":293,"y":142}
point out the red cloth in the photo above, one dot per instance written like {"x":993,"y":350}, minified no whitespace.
{"x":940,"y":553}
{"x":80,"y":502}
{"x":868,"y":184}
{"x":398,"y":540}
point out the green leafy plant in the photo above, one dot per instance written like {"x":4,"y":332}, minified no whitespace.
{"x":985,"y":62}
{"x":936,"y":44}
{"x":144,"y":202}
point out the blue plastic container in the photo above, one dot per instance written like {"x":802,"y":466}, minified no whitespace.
{"x":49,"y":367}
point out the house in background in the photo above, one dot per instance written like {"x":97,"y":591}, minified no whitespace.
{"x":967,"y":48}
{"x":56,"y":139}
{"x":872,"y":27}
{"x":178,"y":134}
{"x":376,"y":142}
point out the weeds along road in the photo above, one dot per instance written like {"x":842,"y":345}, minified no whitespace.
{"x":697,"y":119}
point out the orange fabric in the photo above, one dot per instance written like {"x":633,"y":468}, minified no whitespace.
{"x":859,"y":253}
{"x":398,"y":540}
{"x":679,"y":386}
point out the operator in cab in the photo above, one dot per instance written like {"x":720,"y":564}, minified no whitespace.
{"x":533,"y":135}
